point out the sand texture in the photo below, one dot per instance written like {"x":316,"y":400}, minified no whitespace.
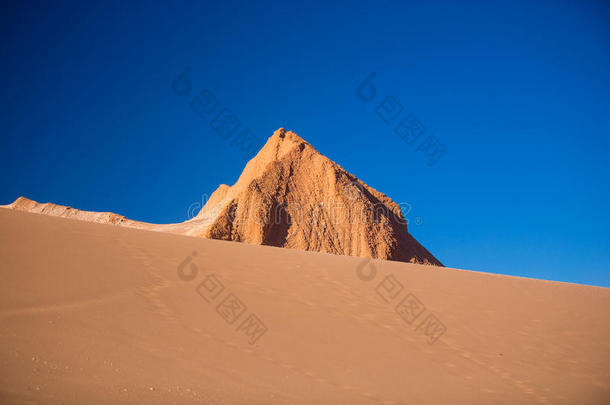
{"x":96,"y":314}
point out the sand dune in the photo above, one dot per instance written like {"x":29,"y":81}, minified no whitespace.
{"x":93,"y":313}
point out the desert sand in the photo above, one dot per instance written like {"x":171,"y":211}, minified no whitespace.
{"x":289,"y":195}
{"x":94,"y":314}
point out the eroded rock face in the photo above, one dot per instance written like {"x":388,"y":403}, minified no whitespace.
{"x":289,"y":195}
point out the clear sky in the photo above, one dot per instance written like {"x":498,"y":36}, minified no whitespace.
{"x":517,"y":93}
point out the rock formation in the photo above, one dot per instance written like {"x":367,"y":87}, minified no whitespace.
{"x":56,"y":210}
{"x":289,"y":195}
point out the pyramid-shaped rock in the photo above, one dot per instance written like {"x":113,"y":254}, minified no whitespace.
{"x":289,"y":195}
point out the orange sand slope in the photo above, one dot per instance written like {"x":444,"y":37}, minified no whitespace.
{"x":93,"y":313}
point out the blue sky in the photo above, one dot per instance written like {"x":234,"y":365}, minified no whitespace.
{"x":517,"y":93}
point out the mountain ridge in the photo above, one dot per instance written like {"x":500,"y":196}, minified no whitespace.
{"x":288,"y":195}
